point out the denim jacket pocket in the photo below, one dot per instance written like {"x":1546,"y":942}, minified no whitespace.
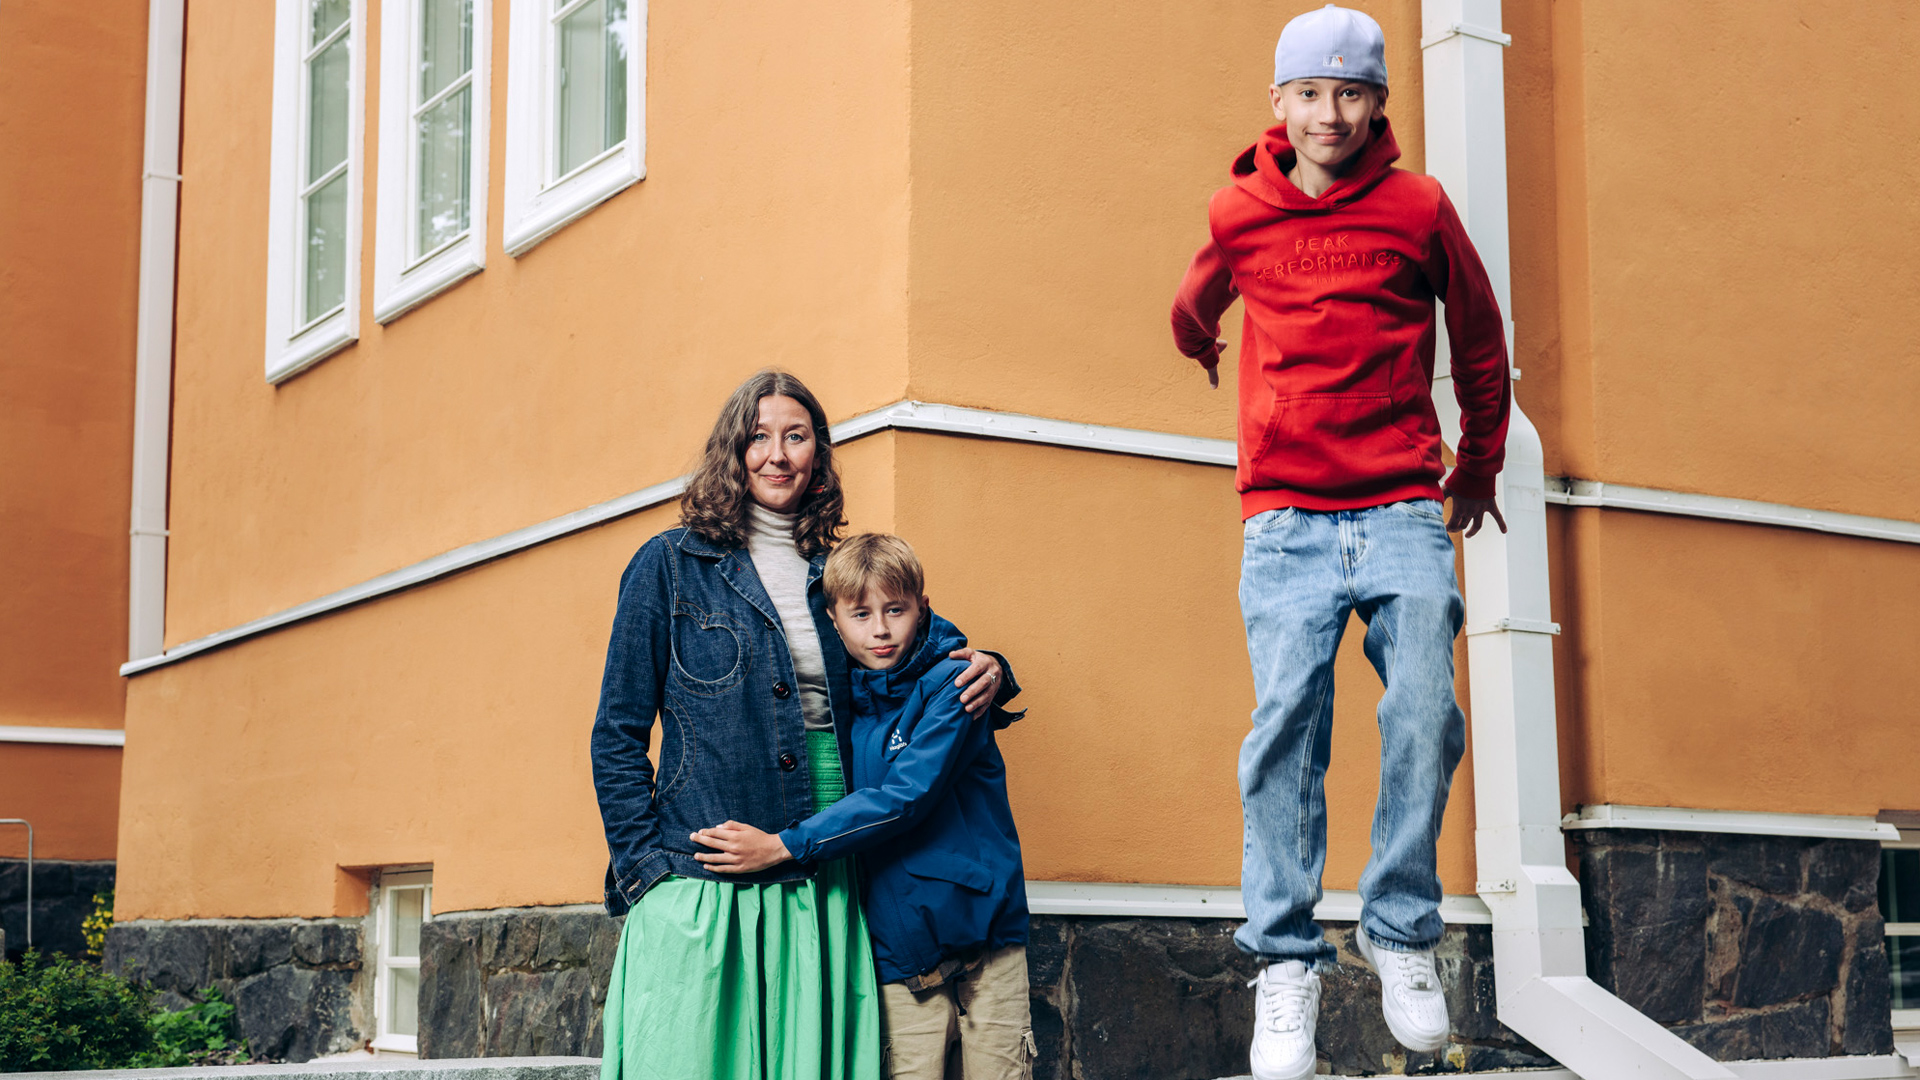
{"x":711,"y":650}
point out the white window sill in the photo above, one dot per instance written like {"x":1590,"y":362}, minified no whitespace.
{"x":396,"y":1044}
{"x":548,"y":212}
{"x":429,"y":279}
{"x":311,"y":346}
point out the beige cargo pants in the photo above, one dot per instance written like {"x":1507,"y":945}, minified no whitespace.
{"x":985,"y":1012}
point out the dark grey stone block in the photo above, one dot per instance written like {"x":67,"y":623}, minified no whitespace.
{"x":539,"y":1014}
{"x":1725,"y":1039}
{"x":292,"y":1013}
{"x":1648,"y":907}
{"x":1795,"y":1031}
{"x":1786,"y":953}
{"x":1846,"y":872}
{"x":1771,"y":864}
{"x":1867,"y":1023}
{"x":452,"y":1011}
{"x":1158,"y":998}
{"x":515,"y":982}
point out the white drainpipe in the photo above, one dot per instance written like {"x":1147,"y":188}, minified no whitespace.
{"x":153,"y":356}
{"x":1540,"y":966}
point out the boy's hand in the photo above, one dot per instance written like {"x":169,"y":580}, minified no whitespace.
{"x":1467,"y":514}
{"x":739,"y":849}
{"x":1213,"y":369}
{"x":979,"y":683}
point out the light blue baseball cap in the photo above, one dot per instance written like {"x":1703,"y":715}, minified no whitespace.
{"x":1332,"y":43}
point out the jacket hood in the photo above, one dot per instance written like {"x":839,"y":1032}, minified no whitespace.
{"x":1261,"y":170}
{"x":936,"y":638}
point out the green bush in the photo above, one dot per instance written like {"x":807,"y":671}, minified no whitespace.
{"x":58,"y":1013}
{"x":199,"y":1034}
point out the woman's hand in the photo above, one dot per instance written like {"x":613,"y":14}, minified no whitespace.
{"x":979,"y":683}
{"x":739,"y":849}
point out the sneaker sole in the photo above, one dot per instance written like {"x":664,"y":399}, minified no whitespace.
{"x":1395,"y":1024}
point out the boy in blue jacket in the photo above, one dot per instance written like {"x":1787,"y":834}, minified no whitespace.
{"x":945,"y":897}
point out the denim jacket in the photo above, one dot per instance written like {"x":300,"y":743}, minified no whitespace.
{"x":930,"y":820}
{"x":698,"y":643}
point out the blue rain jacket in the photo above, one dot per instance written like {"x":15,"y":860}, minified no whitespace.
{"x":929,"y":815}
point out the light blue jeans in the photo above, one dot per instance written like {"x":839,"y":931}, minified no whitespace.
{"x":1301,"y":574}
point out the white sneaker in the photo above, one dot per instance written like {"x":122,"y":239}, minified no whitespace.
{"x":1286,"y":1007}
{"x":1410,"y":994}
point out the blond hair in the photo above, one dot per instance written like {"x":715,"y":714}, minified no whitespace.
{"x":869,"y":559}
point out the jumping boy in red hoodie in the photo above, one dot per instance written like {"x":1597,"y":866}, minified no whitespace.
{"x":1339,"y":258}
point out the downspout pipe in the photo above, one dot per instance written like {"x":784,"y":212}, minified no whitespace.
{"x":1540,"y":969}
{"x":153,"y":355}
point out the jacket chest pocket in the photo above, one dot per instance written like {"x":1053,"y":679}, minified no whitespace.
{"x":711,"y":650}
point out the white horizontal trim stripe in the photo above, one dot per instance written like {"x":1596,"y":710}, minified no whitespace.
{"x":1206,"y":902}
{"x":1746,"y":822}
{"x":1566,"y":492}
{"x":982,"y":423}
{"x":63,"y":736}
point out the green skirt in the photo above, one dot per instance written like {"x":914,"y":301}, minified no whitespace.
{"x":763,"y":982}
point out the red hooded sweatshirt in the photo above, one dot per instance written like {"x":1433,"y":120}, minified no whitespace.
{"x":1336,"y":356}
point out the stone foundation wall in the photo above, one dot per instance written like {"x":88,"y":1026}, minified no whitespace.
{"x":515,"y":983}
{"x":298,"y":986}
{"x":1166,"y":998}
{"x":1112,"y":998}
{"x":1746,"y":946}
{"x":62,"y":899}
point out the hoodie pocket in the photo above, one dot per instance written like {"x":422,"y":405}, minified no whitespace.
{"x":1327,"y":442}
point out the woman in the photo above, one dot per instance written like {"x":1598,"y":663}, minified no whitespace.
{"x":722,"y":632}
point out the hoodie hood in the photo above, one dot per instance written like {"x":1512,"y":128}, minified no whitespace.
{"x":1261,"y":171}
{"x":936,"y":638}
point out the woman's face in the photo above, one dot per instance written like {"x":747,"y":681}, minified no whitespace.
{"x":779,"y":456}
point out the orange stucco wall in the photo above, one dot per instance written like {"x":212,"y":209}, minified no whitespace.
{"x":72,"y":91}
{"x":771,"y":230}
{"x":70,"y":215}
{"x":1742,"y":668}
{"x":71,"y":794}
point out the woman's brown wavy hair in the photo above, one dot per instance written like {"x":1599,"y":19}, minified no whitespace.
{"x":716,"y":506}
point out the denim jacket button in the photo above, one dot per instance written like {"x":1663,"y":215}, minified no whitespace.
{"x":788,"y":763}
{"x":781,"y":690}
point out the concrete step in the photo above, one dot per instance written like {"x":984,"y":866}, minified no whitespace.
{"x":402,"y":1068}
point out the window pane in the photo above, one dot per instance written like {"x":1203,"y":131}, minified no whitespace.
{"x":444,"y":173}
{"x":326,"y":248}
{"x":407,"y":910}
{"x":327,"y":108}
{"x":1900,"y":885}
{"x":592,"y":77}
{"x":1903,"y":955}
{"x":327,"y":14}
{"x":446,"y":43}
{"x":405,"y":996}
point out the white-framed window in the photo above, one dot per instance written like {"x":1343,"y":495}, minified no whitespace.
{"x":1900,"y":907}
{"x":403,"y":904}
{"x":576,"y":111}
{"x":313,"y":246}
{"x":431,"y":223}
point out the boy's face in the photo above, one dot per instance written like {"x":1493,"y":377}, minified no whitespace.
{"x":1328,"y":120}
{"x":877,"y":628}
